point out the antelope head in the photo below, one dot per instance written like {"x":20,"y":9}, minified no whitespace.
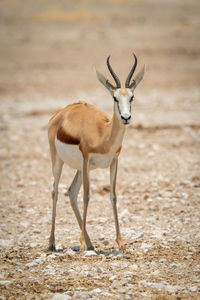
{"x":123,"y":96}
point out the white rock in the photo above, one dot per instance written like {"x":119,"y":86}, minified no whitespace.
{"x":125,"y":281}
{"x":49,"y":270}
{"x":158,"y":286}
{"x":96,"y":291}
{"x":37,"y":261}
{"x":193,"y":289}
{"x":115,"y":284}
{"x":99,"y":270}
{"x":134,"y":267}
{"x":5,"y":282}
{"x":173,"y":265}
{"x":61,"y":297}
{"x":171,"y":289}
{"x":70,"y":252}
{"x":90,"y":253}
{"x":124,"y":214}
{"x":107,"y":295}
{"x":33,"y":245}
{"x":24,"y":224}
{"x":146,"y":247}
{"x":6,"y":244}
{"x":113,"y":277}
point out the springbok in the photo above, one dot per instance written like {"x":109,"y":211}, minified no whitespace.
{"x":85,"y":138}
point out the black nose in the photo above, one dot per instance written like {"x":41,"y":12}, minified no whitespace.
{"x":126,"y":119}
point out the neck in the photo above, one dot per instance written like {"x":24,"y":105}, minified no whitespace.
{"x":117,"y":130}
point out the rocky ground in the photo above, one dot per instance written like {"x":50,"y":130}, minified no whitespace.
{"x":47,"y":58}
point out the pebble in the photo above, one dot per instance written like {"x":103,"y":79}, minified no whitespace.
{"x":5,"y":282}
{"x":90,"y":253}
{"x":36,"y":261}
{"x":193,"y":289}
{"x":99,"y":270}
{"x":162,"y":286}
{"x":146,"y":247}
{"x":50,"y":270}
{"x":174,"y":265}
{"x":61,"y":297}
{"x":113,"y":277}
{"x":115,"y":284}
{"x":125,"y":281}
{"x":70,"y":252}
{"x":96,"y":291}
{"x":134,"y":267}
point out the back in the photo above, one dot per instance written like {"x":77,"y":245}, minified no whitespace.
{"x":68,"y":121}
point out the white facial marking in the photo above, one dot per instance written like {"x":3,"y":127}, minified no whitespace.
{"x":123,"y":104}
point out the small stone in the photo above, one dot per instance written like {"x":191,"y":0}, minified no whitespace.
{"x":125,"y":281}
{"x":107,"y":295}
{"x":113,"y":277}
{"x":193,"y":289}
{"x":61,"y":297}
{"x":96,"y":291}
{"x":70,"y":252}
{"x":5,"y":282}
{"x":90,"y":253}
{"x":146,"y":247}
{"x":50,"y":270}
{"x":17,"y":263}
{"x":115,"y":284}
{"x":171,"y":289}
{"x":36,"y":261}
{"x":134,"y":267}
{"x":99,"y":270}
{"x":173,"y":265}
{"x":33,"y":245}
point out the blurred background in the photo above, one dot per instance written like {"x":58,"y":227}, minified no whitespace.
{"x":50,"y":47}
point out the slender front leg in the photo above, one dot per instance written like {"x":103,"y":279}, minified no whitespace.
{"x":113,"y":198}
{"x":86,"y":198}
{"x":57,"y":169}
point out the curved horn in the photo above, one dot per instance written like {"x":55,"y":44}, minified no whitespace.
{"x":118,"y":84}
{"x":131,"y":72}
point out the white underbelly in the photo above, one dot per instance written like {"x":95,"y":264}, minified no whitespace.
{"x":72,"y":156}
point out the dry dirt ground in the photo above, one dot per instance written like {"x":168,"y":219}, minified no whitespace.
{"x":47,"y":53}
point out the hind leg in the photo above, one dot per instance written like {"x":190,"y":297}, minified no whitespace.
{"x":57,"y":169}
{"x":73,"y":194}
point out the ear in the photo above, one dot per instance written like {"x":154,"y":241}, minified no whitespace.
{"x":138,"y":78}
{"x":105,"y":81}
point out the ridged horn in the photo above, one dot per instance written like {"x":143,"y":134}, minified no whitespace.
{"x":117,"y":81}
{"x":127,"y":84}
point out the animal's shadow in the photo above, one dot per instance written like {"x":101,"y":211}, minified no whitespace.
{"x":98,"y":252}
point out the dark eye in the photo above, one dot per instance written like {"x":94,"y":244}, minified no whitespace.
{"x":115,"y":99}
{"x":131,"y":98}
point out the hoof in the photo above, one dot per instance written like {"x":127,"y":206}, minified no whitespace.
{"x":85,"y":247}
{"x":52,"y":247}
{"x":122,"y":248}
{"x":90,"y":247}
